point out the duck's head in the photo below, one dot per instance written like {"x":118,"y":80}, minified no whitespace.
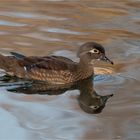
{"x":91,"y":51}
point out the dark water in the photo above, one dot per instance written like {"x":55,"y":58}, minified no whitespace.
{"x":42,"y":27}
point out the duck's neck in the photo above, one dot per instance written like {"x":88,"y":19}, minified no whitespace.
{"x":84,"y":68}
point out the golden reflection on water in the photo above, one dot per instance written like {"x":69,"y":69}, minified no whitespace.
{"x":42,"y":27}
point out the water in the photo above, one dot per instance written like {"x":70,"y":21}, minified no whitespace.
{"x":54,"y":26}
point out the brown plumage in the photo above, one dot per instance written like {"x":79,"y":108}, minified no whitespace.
{"x":54,"y":69}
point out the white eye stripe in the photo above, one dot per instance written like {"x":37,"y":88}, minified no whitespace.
{"x":94,"y":51}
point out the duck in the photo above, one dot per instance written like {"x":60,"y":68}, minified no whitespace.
{"x":55,"y":69}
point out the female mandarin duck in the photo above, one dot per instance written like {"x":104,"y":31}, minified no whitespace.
{"x":55,"y":69}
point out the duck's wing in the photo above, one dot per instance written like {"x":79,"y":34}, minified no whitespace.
{"x":61,"y":58}
{"x":47,"y":63}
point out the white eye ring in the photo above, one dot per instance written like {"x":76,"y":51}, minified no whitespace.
{"x":94,"y":107}
{"x":94,"y":51}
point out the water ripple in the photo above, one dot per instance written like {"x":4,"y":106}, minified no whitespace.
{"x":10,"y":23}
{"x":30,"y":15}
{"x":59,"y":30}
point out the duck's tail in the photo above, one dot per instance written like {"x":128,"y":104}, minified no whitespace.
{"x":9,"y":63}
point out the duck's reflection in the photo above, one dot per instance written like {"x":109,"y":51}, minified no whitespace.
{"x":88,"y":100}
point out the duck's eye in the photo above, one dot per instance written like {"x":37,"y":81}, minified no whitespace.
{"x":94,"y":51}
{"x":94,"y":107}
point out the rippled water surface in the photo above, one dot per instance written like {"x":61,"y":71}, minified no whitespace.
{"x":44,"y":26}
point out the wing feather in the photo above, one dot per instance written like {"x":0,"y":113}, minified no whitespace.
{"x":47,"y":63}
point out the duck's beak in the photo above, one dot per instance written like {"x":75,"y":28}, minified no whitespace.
{"x":104,"y":58}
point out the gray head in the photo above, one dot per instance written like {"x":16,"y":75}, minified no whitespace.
{"x":92,"y":51}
